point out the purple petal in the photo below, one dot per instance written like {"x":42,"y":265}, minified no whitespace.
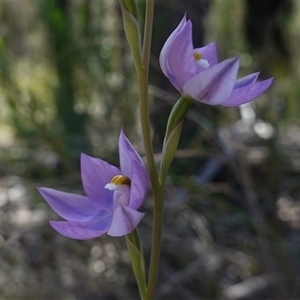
{"x":163,"y":57}
{"x":214,"y":84}
{"x":81,"y":230}
{"x":247,"y":80}
{"x":181,"y":56}
{"x":248,"y":93}
{"x":95,"y":174}
{"x":139,"y":184}
{"x":69,"y":206}
{"x":125,"y":219}
{"x":133,"y":167}
{"x":127,"y":155}
{"x":209,"y":53}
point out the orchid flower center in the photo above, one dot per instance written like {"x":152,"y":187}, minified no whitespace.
{"x":200,"y":61}
{"x":121,"y":179}
{"x":120,"y":184}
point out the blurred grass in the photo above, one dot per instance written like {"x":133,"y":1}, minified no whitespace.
{"x":232,"y":216}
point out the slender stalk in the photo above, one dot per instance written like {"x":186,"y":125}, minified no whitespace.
{"x":142,"y":75}
{"x":143,"y":94}
{"x":156,"y":187}
{"x":145,"y":125}
{"x":156,"y":242}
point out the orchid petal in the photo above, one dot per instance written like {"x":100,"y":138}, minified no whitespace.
{"x":95,"y":174}
{"x":247,"y":80}
{"x":163,"y":57}
{"x":139,"y":184}
{"x":133,"y":167}
{"x":209,"y":53}
{"x":69,"y":206}
{"x":181,"y":56}
{"x":246,"y":94}
{"x":81,"y":230}
{"x":124,"y":220}
{"x":127,"y":154}
{"x":214,"y":84}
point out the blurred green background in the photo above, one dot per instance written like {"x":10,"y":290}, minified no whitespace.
{"x":232,"y":213}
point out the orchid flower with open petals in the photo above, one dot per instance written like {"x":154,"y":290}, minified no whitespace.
{"x":112,"y":197}
{"x":196,"y":73}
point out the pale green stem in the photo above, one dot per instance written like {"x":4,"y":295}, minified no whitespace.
{"x":156,"y":187}
{"x":147,"y":139}
{"x":143,"y":96}
{"x":156,"y":242}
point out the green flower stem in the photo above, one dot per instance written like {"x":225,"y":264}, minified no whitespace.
{"x":156,"y":242}
{"x":156,"y":187}
{"x":142,"y":68}
{"x":147,"y":139}
{"x":143,"y":95}
{"x":142,"y":74}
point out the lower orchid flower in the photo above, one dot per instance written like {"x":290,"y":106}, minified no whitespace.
{"x":197,"y":74}
{"x":112,"y":197}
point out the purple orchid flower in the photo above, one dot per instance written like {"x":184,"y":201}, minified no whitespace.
{"x":196,"y":73}
{"x":113,"y":197}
